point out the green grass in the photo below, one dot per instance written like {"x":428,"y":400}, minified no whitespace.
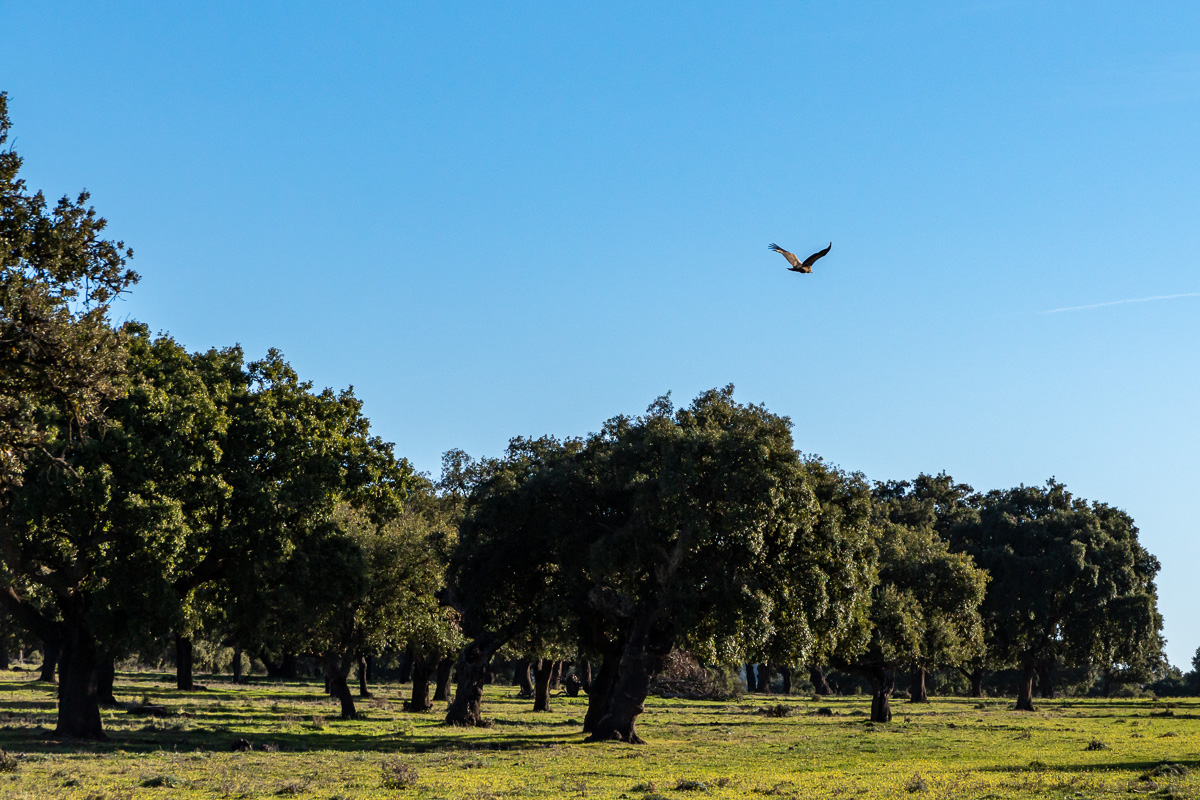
{"x":950,"y":748}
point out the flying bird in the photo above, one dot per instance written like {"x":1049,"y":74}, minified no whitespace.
{"x":796,"y":264}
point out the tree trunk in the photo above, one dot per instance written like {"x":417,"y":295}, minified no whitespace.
{"x":975,"y":676}
{"x":882,"y":685}
{"x":106,"y":675}
{"x":521,"y":677}
{"x":751,"y":679}
{"x":406,"y":665}
{"x":916,"y":686}
{"x":237,"y":664}
{"x":78,"y":698}
{"x":445,"y":669}
{"x":600,"y":695}
{"x":764,"y":678}
{"x":4,"y":656}
{"x":1025,"y":697}
{"x":337,"y":670}
{"x":284,"y":669}
{"x":183,"y":664}
{"x":820,"y":684}
{"x":786,"y":673}
{"x":466,"y":708}
{"x":640,"y":660}
{"x":421,"y":670}
{"x":1045,"y":674}
{"x":51,"y":654}
{"x":363,"y":691}
{"x":556,"y":674}
{"x":542,"y":674}
{"x":584,"y":670}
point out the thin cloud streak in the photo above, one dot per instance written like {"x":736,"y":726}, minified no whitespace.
{"x":1123,"y":302}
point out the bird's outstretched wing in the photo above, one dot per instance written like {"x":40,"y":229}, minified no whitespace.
{"x":791,"y":257}
{"x":808,"y":262}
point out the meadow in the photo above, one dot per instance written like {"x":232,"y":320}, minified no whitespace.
{"x":760,"y":746}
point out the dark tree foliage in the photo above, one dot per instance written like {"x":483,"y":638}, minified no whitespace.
{"x":1070,"y":583}
{"x":58,"y":277}
{"x":676,"y":528}
{"x":94,"y":544}
{"x":821,"y":609}
{"x":924,"y":610}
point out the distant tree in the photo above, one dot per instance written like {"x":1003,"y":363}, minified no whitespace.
{"x":507,"y":576}
{"x":924,"y":611}
{"x":289,"y":456}
{"x":1070,"y":583}
{"x":821,"y":608}
{"x":940,"y":504}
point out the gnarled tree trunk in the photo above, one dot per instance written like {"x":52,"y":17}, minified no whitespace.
{"x":441,"y":684}
{"x":975,"y":676}
{"x":883,"y":683}
{"x":764,"y":678}
{"x":916,"y":686}
{"x":283,"y":670}
{"x":819,"y":682}
{"x":751,"y":678}
{"x":106,"y":675}
{"x":237,"y":664}
{"x":419,"y":701}
{"x":542,"y":674}
{"x":336,"y":667}
{"x":183,"y":664}
{"x":466,"y":707}
{"x":640,"y":661}
{"x":51,"y":654}
{"x":78,"y":687}
{"x":363,"y":675}
{"x":522,"y":678}
{"x":786,"y":674}
{"x":600,"y":695}
{"x":1025,"y":695}
{"x":1045,"y":674}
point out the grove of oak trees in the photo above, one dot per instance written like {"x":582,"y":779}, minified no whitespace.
{"x":148,"y":493}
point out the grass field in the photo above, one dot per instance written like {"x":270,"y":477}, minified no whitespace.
{"x":949,"y":748}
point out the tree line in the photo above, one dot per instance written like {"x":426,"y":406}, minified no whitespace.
{"x":147,"y":492}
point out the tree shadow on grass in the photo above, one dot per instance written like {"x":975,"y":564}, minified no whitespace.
{"x":1139,"y":765}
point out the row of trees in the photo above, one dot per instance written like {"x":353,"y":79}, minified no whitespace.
{"x":705,"y":529}
{"x":146,"y":491}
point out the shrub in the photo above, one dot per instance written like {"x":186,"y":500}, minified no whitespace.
{"x":684,"y":676}
{"x":917,"y":784}
{"x":685,"y":785}
{"x":1167,"y":770}
{"x":8,"y":763}
{"x":777,"y":710}
{"x":1096,"y":744}
{"x":398,"y":775}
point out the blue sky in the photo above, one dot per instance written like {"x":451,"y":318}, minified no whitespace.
{"x":502,"y":219}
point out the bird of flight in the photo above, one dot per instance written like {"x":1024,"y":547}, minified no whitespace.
{"x":796,"y":264}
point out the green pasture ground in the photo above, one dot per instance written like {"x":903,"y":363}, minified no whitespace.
{"x":822,"y":748}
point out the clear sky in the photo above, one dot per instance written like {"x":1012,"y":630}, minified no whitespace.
{"x":497,"y":219}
